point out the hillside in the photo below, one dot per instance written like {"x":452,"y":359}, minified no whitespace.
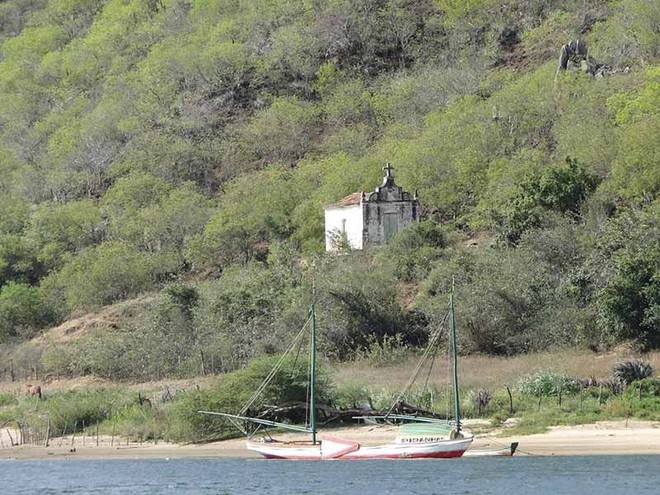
{"x":175,"y":156}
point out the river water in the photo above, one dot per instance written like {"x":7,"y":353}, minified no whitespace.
{"x":601,"y":475}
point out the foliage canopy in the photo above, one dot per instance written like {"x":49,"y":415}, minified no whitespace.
{"x":149,"y":144}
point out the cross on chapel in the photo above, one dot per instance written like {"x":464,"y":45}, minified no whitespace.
{"x":370,"y":219}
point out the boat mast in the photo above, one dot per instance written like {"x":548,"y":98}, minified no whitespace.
{"x":457,"y":409}
{"x":312,"y":376}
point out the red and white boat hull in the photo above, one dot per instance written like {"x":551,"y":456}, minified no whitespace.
{"x":338,"y":448}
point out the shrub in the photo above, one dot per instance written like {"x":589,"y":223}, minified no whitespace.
{"x":69,"y":410}
{"x":100,"y":352}
{"x":26,"y":360}
{"x":58,"y":361}
{"x":105,"y":274}
{"x":141,"y":422}
{"x":630,"y":301}
{"x":414,"y":249}
{"x":22,"y":311}
{"x":7,"y":399}
{"x":353,"y":316}
{"x":188,"y":425}
{"x":642,"y":399}
{"x":353,"y":394}
{"x":391,"y":350}
{"x":234,"y":392}
{"x":626,"y":372}
{"x":544,"y":384}
{"x":647,"y":388}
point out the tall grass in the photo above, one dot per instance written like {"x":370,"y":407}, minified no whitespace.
{"x":8,"y":399}
{"x":538,"y":390}
{"x":487,"y":371}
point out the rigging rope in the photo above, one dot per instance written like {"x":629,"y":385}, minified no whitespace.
{"x":275,"y":369}
{"x":435,"y":337}
{"x":428,"y":375}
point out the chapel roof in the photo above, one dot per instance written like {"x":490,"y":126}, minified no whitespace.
{"x":387,"y":191}
{"x":350,"y":200}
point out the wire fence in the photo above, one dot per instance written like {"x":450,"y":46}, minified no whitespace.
{"x":41,"y":433}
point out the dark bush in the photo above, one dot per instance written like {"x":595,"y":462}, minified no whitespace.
{"x":626,"y":372}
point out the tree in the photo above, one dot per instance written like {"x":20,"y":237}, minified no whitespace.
{"x":239,"y":315}
{"x":360,"y":306}
{"x":56,"y":229}
{"x":564,"y":188}
{"x":559,"y":188}
{"x":630,"y":302}
{"x":284,"y":132}
{"x":254,"y":210}
{"x":414,"y":249}
{"x":636,"y":170}
{"x":166,"y":342}
{"x":22,"y":311}
{"x":295,"y":53}
{"x":104,"y":274}
{"x":14,"y":15}
{"x":18,"y":260}
{"x":146,"y":211}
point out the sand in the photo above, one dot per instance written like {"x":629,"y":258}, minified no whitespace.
{"x":608,"y":437}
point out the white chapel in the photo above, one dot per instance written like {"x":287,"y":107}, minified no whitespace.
{"x":370,"y":219}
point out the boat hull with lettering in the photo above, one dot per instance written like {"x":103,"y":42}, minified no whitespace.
{"x":338,"y":448}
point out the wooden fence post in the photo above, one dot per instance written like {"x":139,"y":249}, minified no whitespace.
{"x":63,"y":435}
{"x":47,"y":433}
{"x":73,"y":438}
{"x":559,"y":394}
{"x":11,"y":439}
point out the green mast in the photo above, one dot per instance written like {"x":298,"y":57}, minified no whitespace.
{"x":312,"y":376}
{"x":457,"y":409}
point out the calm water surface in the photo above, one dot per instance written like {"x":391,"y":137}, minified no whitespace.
{"x":599,"y":475}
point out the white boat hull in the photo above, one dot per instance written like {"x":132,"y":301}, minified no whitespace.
{"x":337,"y":448}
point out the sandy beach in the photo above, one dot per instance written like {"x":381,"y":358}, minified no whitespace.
{"x":609,"y":437}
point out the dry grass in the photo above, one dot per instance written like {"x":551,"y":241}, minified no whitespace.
{"x":107,"y":317}
{"x":488,"y":371}
{"x":149,"y":389}
{"x":475,"y":372}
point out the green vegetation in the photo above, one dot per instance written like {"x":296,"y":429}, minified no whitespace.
{"x":627,"y":372}
{"x":172,"y":158}
{"x":537,"y":401}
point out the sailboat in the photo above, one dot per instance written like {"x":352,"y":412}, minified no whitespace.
{"x":418,"y":437}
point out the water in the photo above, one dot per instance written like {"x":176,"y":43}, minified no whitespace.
{"x":601,"y":475}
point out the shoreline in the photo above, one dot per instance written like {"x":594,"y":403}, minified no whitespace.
{"x":603,"y":438}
